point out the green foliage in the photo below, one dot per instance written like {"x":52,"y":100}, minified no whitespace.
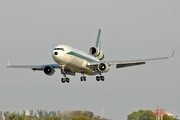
{"x":31,"y":112}
{"x":21,"y":117}
{"x":141,"y":115}
{"x":166,"y":117}
{"x":12,"y":116}
{"x":1,"y":115}
{"x":81,"y":118}
{"x":53,"y":115}
{"x":6,"y":114}
{"x":40,"y":113}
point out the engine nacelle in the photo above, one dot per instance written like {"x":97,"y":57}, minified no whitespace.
{"x":96,"y":53}
{"x":49,"y":70}
{"x":103,"y":67}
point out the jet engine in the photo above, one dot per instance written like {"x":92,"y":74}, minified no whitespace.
{"x":96,"y":53}
{"x":49,"y":70}
{"x":103,"y":67}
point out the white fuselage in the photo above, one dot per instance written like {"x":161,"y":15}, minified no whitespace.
{"x":74,"y":59}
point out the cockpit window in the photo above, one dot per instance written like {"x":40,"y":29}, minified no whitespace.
{"x":59,"y":49}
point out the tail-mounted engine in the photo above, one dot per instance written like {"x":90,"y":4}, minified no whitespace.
{"x":49,"y":70}
{"x":96,"y":53}
{"x":103,"y":67}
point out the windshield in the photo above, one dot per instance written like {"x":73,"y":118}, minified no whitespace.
{"x":59,"y":49}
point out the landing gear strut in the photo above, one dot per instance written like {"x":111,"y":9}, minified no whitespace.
{"x":65,"y":79}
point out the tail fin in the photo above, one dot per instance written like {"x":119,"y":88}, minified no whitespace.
{"x":96,"y":51}
{"x":98,"y":43}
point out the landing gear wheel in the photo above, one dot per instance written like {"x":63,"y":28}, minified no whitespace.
{"x":83,"y":78}
{"x":67,"y":80}
{"x":63,"y":80}
{"x":102,"y":78}
{"x":98,"y":78}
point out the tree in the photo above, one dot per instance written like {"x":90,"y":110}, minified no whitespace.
{"x":81,"y":118}
{"x":21,"y":117}
{"x":166,"y":117}
{"x":134,"y":116}
{"x":31,"y":112}
{"x":6,"y":114}
{"x":53,"y":114}
{"x":12,"y":116}
{"x":97,"y":118}
{"x":147,"y":115}
{"x":40,"y":113}
{"x":1,"y":115}
{"x":89,"y":114}
{"x":59,"y":115}
{"x":142,"y":115}
{"x":46,"y":116}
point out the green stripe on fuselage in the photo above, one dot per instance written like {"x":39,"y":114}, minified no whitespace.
{"x":81,"y":56}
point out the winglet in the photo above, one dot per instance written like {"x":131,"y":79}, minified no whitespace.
{"x":8,"y":65}
{"x":172,"y":54}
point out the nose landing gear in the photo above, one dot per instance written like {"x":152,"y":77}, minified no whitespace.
{"x":65,"y":79}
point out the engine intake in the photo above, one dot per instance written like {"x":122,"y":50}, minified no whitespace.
{"x":49,"y":70}
{"x":103,"y":67}
{"x":96,"y":53}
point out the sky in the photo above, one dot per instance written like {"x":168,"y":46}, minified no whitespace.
{"x":29,"y":30}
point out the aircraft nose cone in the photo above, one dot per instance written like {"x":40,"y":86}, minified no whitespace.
{"x":55,"y":53}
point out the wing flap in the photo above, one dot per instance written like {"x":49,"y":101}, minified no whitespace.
{"x":128,"y":65}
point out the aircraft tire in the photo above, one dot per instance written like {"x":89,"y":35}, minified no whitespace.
{"x":102,"y":78}
{"x":82,"y":78}
{"x":63,"y":80}
{"x":98,"y":78}
{"x":67,"y":80}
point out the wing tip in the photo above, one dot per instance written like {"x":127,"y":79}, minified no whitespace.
{"x":8,"y":63}
{"x":172,"y":54}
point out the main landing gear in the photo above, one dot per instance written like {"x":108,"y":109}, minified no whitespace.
{"x":83,"y":78}
{"x":63,"y":80}
{"x":98,"y":78}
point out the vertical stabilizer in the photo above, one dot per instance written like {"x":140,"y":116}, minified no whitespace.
{"x":98,"y":43}
{"x":96,"y":51}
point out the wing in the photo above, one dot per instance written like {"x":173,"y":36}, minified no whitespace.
{"x":41,"y":67}
{"x":128,"y":63}
{"x":33,"y":67}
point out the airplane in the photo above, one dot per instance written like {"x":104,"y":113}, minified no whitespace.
{"x":71,"y":60}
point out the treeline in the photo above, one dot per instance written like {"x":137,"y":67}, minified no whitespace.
{"x":50,"y":115}
{"x":147,"y":115}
